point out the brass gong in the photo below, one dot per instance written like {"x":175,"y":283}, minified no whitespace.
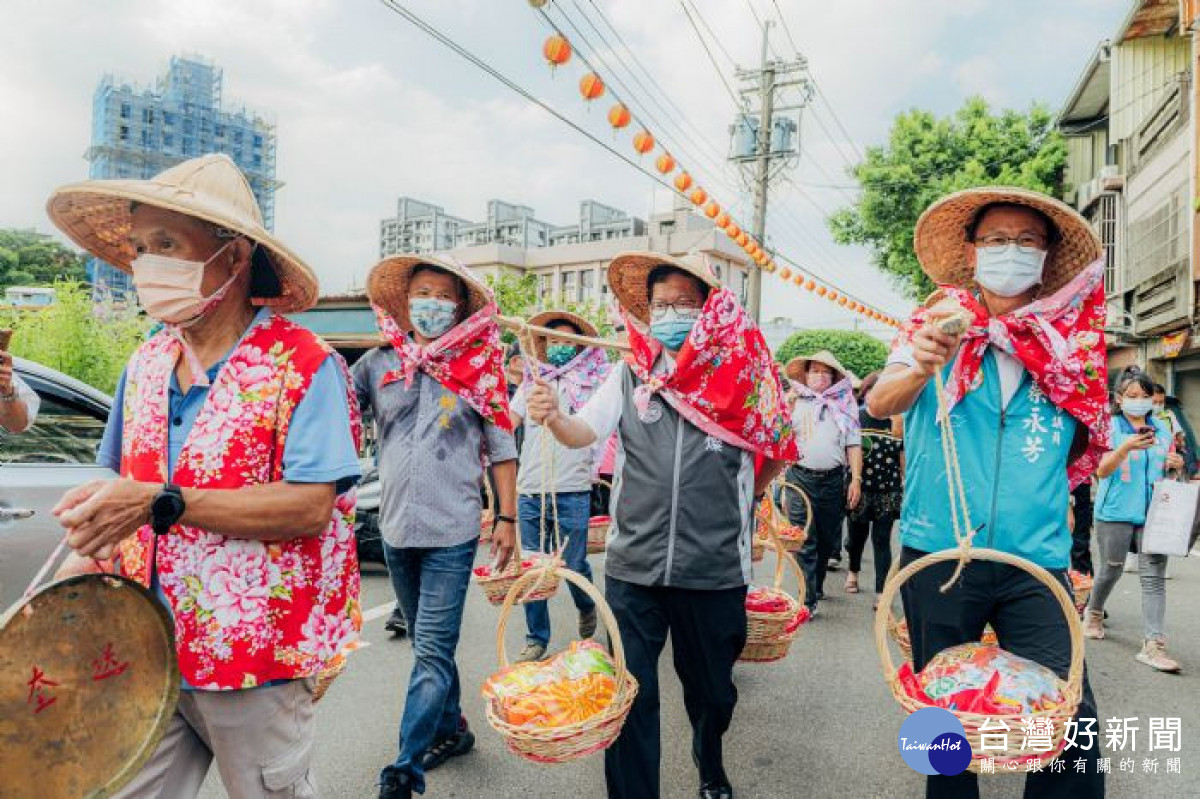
{"x":88,"y":684}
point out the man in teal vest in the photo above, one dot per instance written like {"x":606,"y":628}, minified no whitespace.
{"x":1025,"y":387}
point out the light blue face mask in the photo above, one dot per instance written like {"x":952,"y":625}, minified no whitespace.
{"x":559,"y":355}
{"x":1009,"y":270}
{"x":431,"y":317}
{"x":672,"y":327}
{"x":1138,"y":406}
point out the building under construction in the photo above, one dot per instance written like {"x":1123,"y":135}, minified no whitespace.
{"x":139,"y":131}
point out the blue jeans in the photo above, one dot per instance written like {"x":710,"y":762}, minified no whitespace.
{"x":431,"y":585}
{"x":573,"y":509}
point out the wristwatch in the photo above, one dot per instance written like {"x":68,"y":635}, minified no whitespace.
{"x":499,"y":517}
{"x":166,"y":508}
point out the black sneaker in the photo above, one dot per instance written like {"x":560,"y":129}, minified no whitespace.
{"x":394,"y":784}
{"x":454,"y":745}
{"x":716,"y":790}
{"x":396,"y":625}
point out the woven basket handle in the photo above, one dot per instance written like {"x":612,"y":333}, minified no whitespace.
{"x":808,"y":509}
{"x":783,"y":556}
{"x":610,"y":621}
{"x":896,"y":578}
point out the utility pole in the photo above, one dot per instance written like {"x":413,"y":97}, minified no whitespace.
{"x":764,"y":163}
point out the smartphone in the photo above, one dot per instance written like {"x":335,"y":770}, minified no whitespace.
{"x":5,"y":337}
{"x":1145,"y":430}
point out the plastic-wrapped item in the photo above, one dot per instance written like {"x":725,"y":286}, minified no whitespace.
{"x":570,"y":687}
{"x":530,"y":562}
{"x":979,"y":678}
{"x":764,"y":600}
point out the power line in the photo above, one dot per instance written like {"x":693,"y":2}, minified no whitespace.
{"x":716,"y":39}
{"x":737,"y":104}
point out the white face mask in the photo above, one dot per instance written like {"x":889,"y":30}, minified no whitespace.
{"x":1009,"y":270}
{"x":169,"y":289}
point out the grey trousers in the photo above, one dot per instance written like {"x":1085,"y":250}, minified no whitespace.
{"x":262,"y":740}
{"x":1113,"y":539}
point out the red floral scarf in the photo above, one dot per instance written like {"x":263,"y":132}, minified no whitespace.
{"x":724,"y":380}
{"x":1059,"y":339}
{"x":468,"y":361}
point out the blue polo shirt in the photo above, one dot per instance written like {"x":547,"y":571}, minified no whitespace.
{"x":318,"y":449}
{"x":1013,"y":459}
{"x":1124,"y":496}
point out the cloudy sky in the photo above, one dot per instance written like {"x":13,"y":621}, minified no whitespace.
{"x":369,"y":108}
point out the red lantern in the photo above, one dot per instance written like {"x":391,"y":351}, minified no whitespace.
{"x":643,"y":142}
{"x":557,"y":51}
{"x":591,"y":86}
{"x":619,"y":116}
{"x":665,"y":164}
{"x":683,"y":182}
{"x":712,"y":209}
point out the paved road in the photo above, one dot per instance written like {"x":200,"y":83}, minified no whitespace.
{"x":819,"y":724}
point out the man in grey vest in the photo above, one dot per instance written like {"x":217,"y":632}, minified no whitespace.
{"x":695,"y":403}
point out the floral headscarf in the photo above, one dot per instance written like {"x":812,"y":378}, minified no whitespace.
{"x":468,"y":361}
{"x":579,"y":377}
{"x":1059,"y":339}
{"x":724,"y":380}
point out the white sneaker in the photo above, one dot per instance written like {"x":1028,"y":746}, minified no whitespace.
{"x":1154,"y":655}
{"x":1093,"y":624}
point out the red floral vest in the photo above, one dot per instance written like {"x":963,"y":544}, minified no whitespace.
{"x":246,"y":612}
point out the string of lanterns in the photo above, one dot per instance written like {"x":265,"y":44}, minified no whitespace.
{"x":558,"y":51}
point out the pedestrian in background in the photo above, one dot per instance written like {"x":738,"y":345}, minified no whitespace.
{"x":437,"y":391}
{"x":1140,"y":457}
{"x":883,"y":491}
{"x":826,"y":420}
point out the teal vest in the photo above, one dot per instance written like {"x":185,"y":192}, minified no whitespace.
{"x":1014,"y":469}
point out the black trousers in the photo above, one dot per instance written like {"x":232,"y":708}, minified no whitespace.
{"x":1081,"y":536}
{"x":708,"y":631}
{"x":880,"y":533}
{"x":1028,"y":622}
{"x":827,"y":493}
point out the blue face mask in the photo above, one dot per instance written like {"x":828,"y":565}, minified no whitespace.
{"x":1137,"y":407}
{"x":1009,"y":270}
{"x":559,"y":355}
{"x":431,"y":317}
{"x":672,"y":327}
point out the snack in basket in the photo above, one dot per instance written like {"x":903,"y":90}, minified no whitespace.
{"x":569,"y":688}
{"x":765,"y":600}
{"x":527,"y":563}
{"x":597,"y":521}
{"x":979,"y":678}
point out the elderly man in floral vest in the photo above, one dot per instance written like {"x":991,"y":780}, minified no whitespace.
{"x":236,"y":438}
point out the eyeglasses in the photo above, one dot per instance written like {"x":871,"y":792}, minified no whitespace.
{"x":679,"y":306}
{"x":1027,"y":242}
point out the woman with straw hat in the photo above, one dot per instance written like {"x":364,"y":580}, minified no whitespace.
{"x":237,"y":443}
{"x":830,"y":467}
{"x":554,"y":483}
{"x":695,"y":403}
{"x":1025,"y":384}
{"x":438,"y":395}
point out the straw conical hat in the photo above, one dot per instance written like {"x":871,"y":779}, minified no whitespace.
{"x":628,"y":271}
{"x":796,"y":367}
{"x":547,"y":318}
{"x":95,"y":214}
{"x":387,"y":285}
{"x":941,"y":233}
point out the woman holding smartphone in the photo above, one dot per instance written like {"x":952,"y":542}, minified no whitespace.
{"x":1140,"y":456}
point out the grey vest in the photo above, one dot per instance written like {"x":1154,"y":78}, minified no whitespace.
{"x":682,"y":508}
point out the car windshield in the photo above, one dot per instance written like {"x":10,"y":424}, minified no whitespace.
{"x":61,"y":434}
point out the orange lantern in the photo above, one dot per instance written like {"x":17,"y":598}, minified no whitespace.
{"x":698,"y":196}
{"x":809,"y":285}
{"x":742,"y":239}
{"x":722,"y":219}
{"x":786,"y":273}
{"x":842,"y":301}
{"x":591,"y":86}
{"x":798,"y":279}
{"x":833,"y":295}
{"x":683,"y":181}
{"x":821,"y":291}
{"x":557,"y":51}
{"x":643,"y":142}
{"x":732,"y":230}
{"x":712,"y":209}
{"x":665,"y":164}
{"x":619,"y":116}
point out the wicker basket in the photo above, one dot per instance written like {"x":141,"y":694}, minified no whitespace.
{"x":573,"y":741}
{"x":898,"y":630}
{"x":1071,"y":688}
{"x":792,"y":543}
{"x":767,"y":636}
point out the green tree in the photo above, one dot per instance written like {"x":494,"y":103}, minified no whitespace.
{"x":517,"y":296}
{"x":858,"y":352}
{"x":88,"y":341}
{"x":926,"y":158}
{"x":31,"y":258}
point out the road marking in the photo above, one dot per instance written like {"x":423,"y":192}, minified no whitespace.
{"x":379,"y":611}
